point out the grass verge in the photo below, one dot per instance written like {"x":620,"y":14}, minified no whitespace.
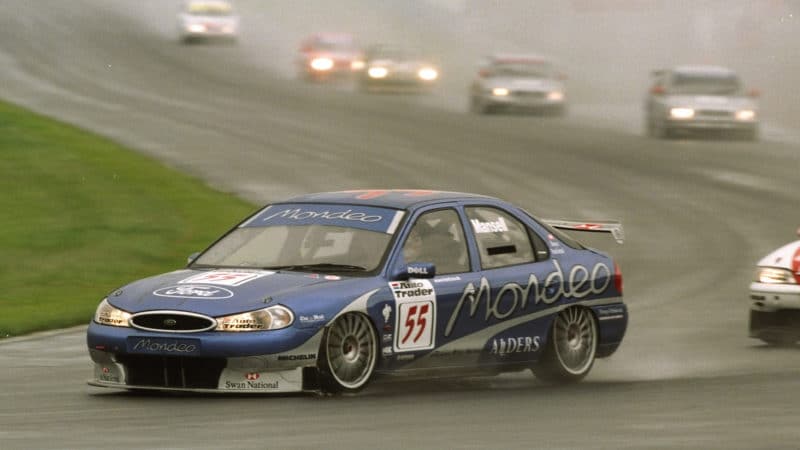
{"x":82,"y":216}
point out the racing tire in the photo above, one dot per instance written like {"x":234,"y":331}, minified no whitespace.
{"x":348,"y":354}
{"x":570,"y":352}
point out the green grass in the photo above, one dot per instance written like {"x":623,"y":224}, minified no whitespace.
{"x":81,"y":216}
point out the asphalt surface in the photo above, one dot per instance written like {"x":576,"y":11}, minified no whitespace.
{"x":698,"y":213}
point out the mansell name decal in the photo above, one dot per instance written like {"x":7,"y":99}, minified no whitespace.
{"x":513,"y":298}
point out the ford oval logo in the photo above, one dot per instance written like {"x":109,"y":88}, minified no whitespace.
{"x":197,"y":291}
{"x":170,"y":322}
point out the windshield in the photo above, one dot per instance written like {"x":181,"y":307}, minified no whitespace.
{"x":705,"y":84}
{"x":523,"y":69}
{"x":307,"y":237}
{"x":210,"y":9}
{"x":303,"y":247}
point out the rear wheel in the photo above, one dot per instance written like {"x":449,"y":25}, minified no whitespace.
{"x":570,"y":351}
{"x":348,"y":354}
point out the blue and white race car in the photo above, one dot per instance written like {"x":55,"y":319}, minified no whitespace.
{"x":325,"y":291}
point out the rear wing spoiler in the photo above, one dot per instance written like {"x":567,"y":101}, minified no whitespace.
{"x":615,"y":228}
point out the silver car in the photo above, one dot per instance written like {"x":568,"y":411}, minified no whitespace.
{"x":525,"y":83}
{"x":700,"y":99}
{"x":207,"y":19}
{"x":400,"y":69}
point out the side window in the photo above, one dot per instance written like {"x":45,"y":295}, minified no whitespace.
{"x":437,"y":237}
{"x":502,"y":239}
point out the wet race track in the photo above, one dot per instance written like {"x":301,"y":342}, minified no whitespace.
{"x":698,"y":214}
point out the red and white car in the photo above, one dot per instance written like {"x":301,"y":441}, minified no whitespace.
{"x":775,"y":297}
{"x":326,"y":56}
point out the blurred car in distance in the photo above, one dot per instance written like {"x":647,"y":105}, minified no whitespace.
{"x":328,"y":56}
{"x":208,"y":20}
{"x":397,"y":68}
{"x":518,"y":83}
{"x":688,"y":99}
{"x":775,"y":296}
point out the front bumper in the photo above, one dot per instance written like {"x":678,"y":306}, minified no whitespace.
{"x":253,"y":362}
{"x":774,"y":312}
{"x":525,"y":101}
{"x":709,"y":124}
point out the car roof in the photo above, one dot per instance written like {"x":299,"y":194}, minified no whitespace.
{"x":389,"y":198}
{"x":519,"y":58}
{"x":704,"y":70}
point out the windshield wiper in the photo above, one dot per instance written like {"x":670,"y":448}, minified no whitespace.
{"x":321,"y":266}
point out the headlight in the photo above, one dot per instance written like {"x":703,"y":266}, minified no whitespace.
{"x":196,"y":28}
{"x":272,"y":318}
{"x":322,"y":64}
{"x":109,"y":315}
{"x":428,"y":73}
{"x":745,"y":114}
{"x":357,"y":65}
{"x":681,"y":113}
{"x":774,"y":275}
{"x":499,"y":92}
{"x":378,"y":72}
{"x":555,"y":96}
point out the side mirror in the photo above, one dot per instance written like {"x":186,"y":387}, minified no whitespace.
{"x":416,"y":270}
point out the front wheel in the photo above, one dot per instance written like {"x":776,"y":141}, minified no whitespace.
{"x":570,"y":351}
{"x":348,"y":354}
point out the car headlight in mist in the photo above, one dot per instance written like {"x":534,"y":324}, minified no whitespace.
{"x":272,"y":318}
{"x":196,"y":28}
{"x":357,"y":65}
{"x":745,"y":114}
{"x":774,"y":275}
{"x":555,"y":96}
{"x":500,"y":92}
{"x":109,"y":315}
{"x":428,"y":73}
{"x":681,"y":113}
{"x":321,"y":64}
{"x":378,"y":72}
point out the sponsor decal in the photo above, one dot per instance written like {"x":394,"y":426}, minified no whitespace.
{"x":387,"y":351}
{"x":312,"y":318}
{"x":301,"y":214}
{"x":252,"y":384}
{"x":387,"y":313}
{"x":523,"y":344}
{"x":555,"y":245}
{"x":406,"y":357}
{"x":512,"y":297}
{"x":406,"y":289}
{"x":109,"y":374}
{"x":194,"y":291}
{"x":161,"y":346}
{"x":498,"y":226}
{"x":226,"y":277}
{"x":610,"y":313}
{"x":306,"y":357}
{"x":417,"y":270}
{"x":252,"y":376}
{"x":333,"y":277}
{"x":446,"y":279}
{"x":416,"y":315}
{"x":387,"y":337}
